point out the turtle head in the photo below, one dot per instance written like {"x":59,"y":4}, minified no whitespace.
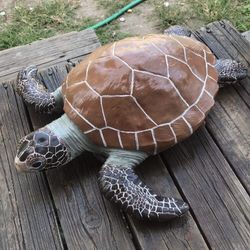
{"x":230,"y":71}
{"x":41,"y":150}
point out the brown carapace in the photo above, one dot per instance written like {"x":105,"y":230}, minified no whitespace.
{"x":142,"y":93}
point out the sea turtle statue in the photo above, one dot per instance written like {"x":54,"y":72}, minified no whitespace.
{"x":126,"y":101}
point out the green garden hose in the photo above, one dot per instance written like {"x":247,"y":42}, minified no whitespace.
{"x":114,"y":16}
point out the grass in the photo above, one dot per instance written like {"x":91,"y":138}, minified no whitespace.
{"x":166,"y":16}
{"x":42,"y":21}
{"x":111,"y":33}
{"x":48,"y":19}
{"x":53,"y":17}
{"x":112,"y":6}
{"x":196,"y":13}
{"x":236,"y":11}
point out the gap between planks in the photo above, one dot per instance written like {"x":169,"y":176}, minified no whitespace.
{"x":141,"y":232}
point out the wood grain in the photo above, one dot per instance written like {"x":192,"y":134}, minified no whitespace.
{"x":87,"y":220}
{"x":215,"y":190}
{"x":226,"y":42}
{"x":218,"y":200}
{"x":71,"y":182}
{"x":181,"y":233}
{"x":48,"y":52}
{"x":228,"y":121}
{"x":27,"y":218}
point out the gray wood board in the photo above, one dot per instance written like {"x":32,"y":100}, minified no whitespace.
{"x":226,"y":42}
{"x":48,"y":52}
{"x":217,"y":199}
{"x":180,"y":233}
{"x":146,"y":234}
{"x":228,"y":121}
{"x":80,"y":203}
{"x":27,"y":218}
{"x":88,"y":221}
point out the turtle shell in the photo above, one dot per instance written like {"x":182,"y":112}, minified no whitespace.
{"x":142,"y":93}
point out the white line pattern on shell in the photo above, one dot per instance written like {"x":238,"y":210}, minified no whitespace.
{"x":184,"y":49}
{"x":200,"y":110}
{"x":103,"y":139}
{"x":132,"y":82}
{"x":180,"y":59}
{"x":154,"y":140}
{"x":150,"y":129}
{"x":120,"y":139}
{"x":188,"y":124}
{"x":103,"y":113}
{"x":66,"y":81}
{"x":87,"y":71}
{"x":136,"y":140}
{"x":92,"y":88}
{"x":75,"y":84}
{"x":208,"y":93}
{"x":89,"y":131}
{"x":174,"y":134}
{"x":177,"y":59}
{"x":83,"y":118}
{"x":145,"y":113}
{"x":212,"y":78}
{"x":168,"y":77}
{"x":112,"y":96}
{"x":175,"y":88}
{"x":166,"y":61}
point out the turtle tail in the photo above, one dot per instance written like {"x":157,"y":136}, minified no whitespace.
{"x":121,"y":185}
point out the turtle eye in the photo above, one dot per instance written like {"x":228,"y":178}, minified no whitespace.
{"x":37,"y":164}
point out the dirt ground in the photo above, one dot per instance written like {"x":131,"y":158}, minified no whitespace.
{"x":136,"y":22}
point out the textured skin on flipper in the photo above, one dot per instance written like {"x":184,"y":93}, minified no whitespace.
{"x":33,"y":92}
{"x":142,"y":93}
{"x":121,"y":185}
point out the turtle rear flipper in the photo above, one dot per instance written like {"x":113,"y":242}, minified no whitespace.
{"x":120,"y":184}
{"x":33,"y":92}
{"x":230,"y":71}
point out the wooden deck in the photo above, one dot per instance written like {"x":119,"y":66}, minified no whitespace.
{"x":64,"y":209}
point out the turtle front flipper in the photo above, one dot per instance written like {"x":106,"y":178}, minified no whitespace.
{"x":120,"y":184}
{"x":33,"y":92}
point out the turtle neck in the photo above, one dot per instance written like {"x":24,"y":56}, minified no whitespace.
{"x":74,"y":139}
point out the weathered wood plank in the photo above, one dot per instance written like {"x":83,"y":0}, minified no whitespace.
{"x":27,"y":218}
{"x":239,"y":48}
{"x":226,"y":42}
{"x":181,"y":233}
{"x":47,"y":52}
{"x":228,"y":121}
{"x":218,"y":200}
{"x":76,"y":236}
{"x":84,"y":212}
{"x":88,"y":221}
